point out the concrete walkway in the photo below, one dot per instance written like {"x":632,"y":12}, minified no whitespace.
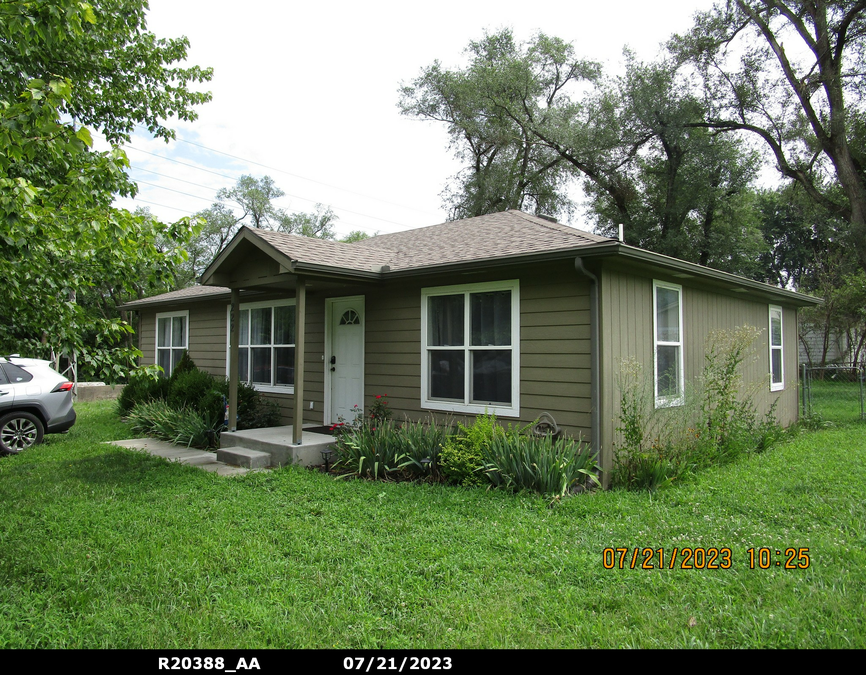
{"x":192,"y":456}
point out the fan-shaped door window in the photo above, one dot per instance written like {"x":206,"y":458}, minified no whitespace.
{"x":350,"y":318}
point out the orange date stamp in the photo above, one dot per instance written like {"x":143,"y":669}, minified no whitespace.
{"x":700,"y":558}
{"x":667,"y":559}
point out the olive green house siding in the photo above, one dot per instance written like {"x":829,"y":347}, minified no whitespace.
{"x":627,"y":333}
{"x":553,"y":344}
{"x":554,"y":278}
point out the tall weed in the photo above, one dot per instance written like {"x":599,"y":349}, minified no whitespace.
{"x":717,"y":423}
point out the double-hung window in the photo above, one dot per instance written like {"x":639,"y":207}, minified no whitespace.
{"x":668,"y":347}
{"x":470,"y":356}
{"x":172,"y":339}
{"x":777,"y":368}
{"x":266,"y":349}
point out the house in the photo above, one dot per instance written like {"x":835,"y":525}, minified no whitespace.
{"x":509,"y":313}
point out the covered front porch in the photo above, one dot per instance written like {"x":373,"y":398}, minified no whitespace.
{"x":279,"y":272}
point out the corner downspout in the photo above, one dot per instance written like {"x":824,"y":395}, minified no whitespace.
{"x":595,"y":369}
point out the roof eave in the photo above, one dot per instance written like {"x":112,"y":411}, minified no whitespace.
{"x":621,"y":250}
{"x":515,"y":259}
{"x":146,"y":303}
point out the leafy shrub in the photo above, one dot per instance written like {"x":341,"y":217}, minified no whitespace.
{"x":540,"y":464}
{"x":141,"y":388}
{"x":254,"y":411}
{"x":183,"y":366}
{"x":461,"y":460}
{"x":189,"y":389}
{"x":257,"y":411}
{"x":181,"y":427}
{"x":213,"y":404}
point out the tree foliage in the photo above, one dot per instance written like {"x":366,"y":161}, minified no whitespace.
{"x":319,"y":224}
{"x":531,"y":121}
{"x":69,"y":67}
{"x":792,"y":75}
{"x":251,"y":202}
{"x":491,"y":109}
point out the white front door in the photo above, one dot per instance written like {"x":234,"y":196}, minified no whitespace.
{"x":344,"y":360}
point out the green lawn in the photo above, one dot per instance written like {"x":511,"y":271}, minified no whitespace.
{"x":836,"y":401}
{"x":103,"y":547}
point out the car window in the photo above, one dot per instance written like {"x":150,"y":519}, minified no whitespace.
{"x":3,"y":378}
{"x":16,"y":374}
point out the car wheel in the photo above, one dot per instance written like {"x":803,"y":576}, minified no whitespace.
{"x":19,"y":431}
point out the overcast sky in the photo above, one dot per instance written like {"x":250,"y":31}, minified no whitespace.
{"x":307,"y":93}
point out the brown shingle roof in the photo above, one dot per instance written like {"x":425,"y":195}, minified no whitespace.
{"x":497,"y":235}
{"x":490,"y":237}
{"x":183,"y":295}
{"x":494,"y":236}
{"x":322,"y":252}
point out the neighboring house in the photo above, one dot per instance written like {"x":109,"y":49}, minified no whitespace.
{"x":508,"y":313}
{"x":811,"y":348}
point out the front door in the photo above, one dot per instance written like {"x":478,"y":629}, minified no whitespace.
{"x":344,"y":362}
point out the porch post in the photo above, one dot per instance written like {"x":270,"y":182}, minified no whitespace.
{"x":300,"y":331}
{"x":234,"y":357}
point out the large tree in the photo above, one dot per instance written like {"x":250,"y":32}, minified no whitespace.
{"x":531,"y":119}
{"x":490,"y":108}
{"x":792,"y":74}
{"x":68,"y":68}
{"x":251,"y":202}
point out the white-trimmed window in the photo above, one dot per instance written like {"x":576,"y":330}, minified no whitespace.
{"x":470,"y":355}
{"x":172,"y":339}
{"x":266,"y":349}
{"x":668,"y":344}
{"x":777,"y":362}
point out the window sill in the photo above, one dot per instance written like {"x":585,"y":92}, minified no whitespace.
{"x":777,"y":387}
{"x":472,"y":408}
{"x":271,"y":389}
{"x":670,"y":402}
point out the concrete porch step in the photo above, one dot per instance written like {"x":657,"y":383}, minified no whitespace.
{"x":251,"y":459}
{"x":277,"y":443}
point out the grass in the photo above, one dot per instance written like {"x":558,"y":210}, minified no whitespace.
{"x":101,"y":547}
{"x":837,"y":402}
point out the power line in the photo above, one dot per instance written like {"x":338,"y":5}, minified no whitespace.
{"x":305,"y":199}
{"x":157,"y":173}
{"x":162,"y":187}
{"x":165,"y":206}
{"x":311,"y":180}
{"x":177,"y":161}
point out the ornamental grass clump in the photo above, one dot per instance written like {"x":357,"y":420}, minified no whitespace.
{"x":370,"y":452}
{"x":182,"y":426}
{"x":391,"y":451}
{"x":550,"y":467}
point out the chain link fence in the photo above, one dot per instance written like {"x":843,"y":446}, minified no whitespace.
{"x":834,"y":393}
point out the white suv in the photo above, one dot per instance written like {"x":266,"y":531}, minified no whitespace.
{"x":34,"y":400}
